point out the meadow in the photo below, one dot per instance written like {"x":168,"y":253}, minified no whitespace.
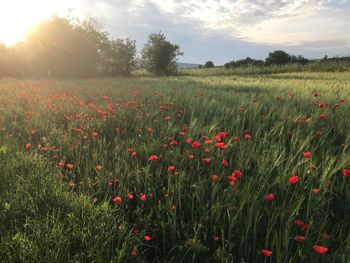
{"x":221,"y":168}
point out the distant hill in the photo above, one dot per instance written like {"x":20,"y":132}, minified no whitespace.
{"x":187,"y":65}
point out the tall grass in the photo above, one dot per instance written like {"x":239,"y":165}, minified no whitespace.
{"x":51,"y":212}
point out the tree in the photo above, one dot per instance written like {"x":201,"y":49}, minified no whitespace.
{"x":209,"y":64}
{"x":119,"y":57}
{"x":159,"y":56}
{"x":278,"y":57}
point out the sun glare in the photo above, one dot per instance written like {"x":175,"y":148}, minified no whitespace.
{"x":19,"y":16}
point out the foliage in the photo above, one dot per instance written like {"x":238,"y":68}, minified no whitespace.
{"x":159,"y":56}
{"x":247,"y":62}
{"x":120,"y":57}
{"x":209,"y":64}
{"x":278,"y":57}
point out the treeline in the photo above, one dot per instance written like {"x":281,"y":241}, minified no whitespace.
{"x":65,"y":48}
{"x":280,"y":57}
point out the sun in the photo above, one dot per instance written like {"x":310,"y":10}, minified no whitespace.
{"x":17,"y":17}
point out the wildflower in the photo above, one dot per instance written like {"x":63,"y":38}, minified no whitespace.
{"x":130,"y":196}
{"x":28,"y":145}
{"x":322,"y":115}
{"x":206,"y":160}
{"x":95,"y":134}
{"x":307,"y":154}
{"x":316,"y":190}
{"x":270,"y":197}
{"x":134,"y":253}
{"x":237,"y":173}
{"x":98,"y":167}
{"x":153,"y":158}
{"x":167,"y":118}
{"x":69,"y":166}
{"x":214,"y":177}
{"x":117,"y":200}
{"x":299,"y":239}
{"x":190,"y":157}
{"x":196,"y":145}
{"x":319,"y":249}
{"x":247,"y":137}
{"x":143,"y":197}
{"x":147,"y":238}
{"x":216,"y":238}
{"x":293,"y":179}
{"x":266,"y":252}
{"x":171,"y":169}
{"x":224,"y":163}
{"x":346,"y":172}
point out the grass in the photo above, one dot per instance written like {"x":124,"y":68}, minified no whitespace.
{"x":54,"y":212}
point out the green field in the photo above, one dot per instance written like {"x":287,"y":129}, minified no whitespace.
{"x":179,"y":169}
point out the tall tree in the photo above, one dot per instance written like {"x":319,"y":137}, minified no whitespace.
{"x":159,"y":56}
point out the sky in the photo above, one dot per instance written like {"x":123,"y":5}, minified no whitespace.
{"x":219,"y":31}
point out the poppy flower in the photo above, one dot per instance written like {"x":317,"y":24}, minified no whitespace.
{"x":316,"y":190}
{"x":293,"y":179}
{"x":143,"y":197}
{"x":153,"y":158}
{"x":171,"y":169}
{"x":223,"y":135}
{"x":190,"y":157}
{"x":247,"y":137}
{"x":98,"y":167}
{"x":299,"y":223}
{"x":147,"y":238}
{"x":214,"y":177}
{"x":133,"y":253}
{"x":299,"y":239}
{"x":266,"y":253}
{"x":181,"y":133}
{"x":206,"y":160}
{"x":319,"y":249}
{"x":237,"y":173}
{"x":270,"y":197}
{"x":28,"y":145}
{"x":322,"y":115}
{"x":95,"y":134}
{"x":207,"y":142}
{"x":167,"y":118}
{"x":117,"y":200}
{"x":69,"y":166}
{"x":224,"y":163}
{"x":307,"y":154}
{"x":130,"y":196}
{"x":196,"y":145}
{"x":216,"y":238}
{"x":346,"y":172}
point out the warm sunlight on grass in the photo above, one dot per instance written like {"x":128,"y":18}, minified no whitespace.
{"x":18,"y":16}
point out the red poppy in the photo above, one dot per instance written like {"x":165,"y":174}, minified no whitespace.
{"x":167,"y":118}
{"x":133,"y":253}
{"x":143,"y":197}
{"x":153,"y":158}
{"x":98,"y":167}
{"x":346,"y":172}
{"x":28,"y":145}
{"x":293,"y":179}
{"x":207,"y":142}
{"x":117,"y":200}
{"x":147,"y":238}
{"x":299,"y":239}
{"x":214,"y":177}
{"x":95,"y":134}
{"x":247,"y":137}
{"x":196,"y":145}
{"x":270,"y":197}
{"x":190,"y":157}
{"x":299,"y":223}
{"x":266,"y":252}
{"x":130,"y":196}
{"x":69,"y":166}
{"x":319,"y":249}
{"x":206,"y":160}
{"x":307,"y":154}
{"x":316,"y":190}
{"x":322,"y":115}
{"x":224,"y":163}
{"x":237,"y":173}
{"x":216,"y":238}
{"x":171,"y":169}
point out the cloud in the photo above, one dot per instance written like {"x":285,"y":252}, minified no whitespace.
{"x":222,"y":30}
